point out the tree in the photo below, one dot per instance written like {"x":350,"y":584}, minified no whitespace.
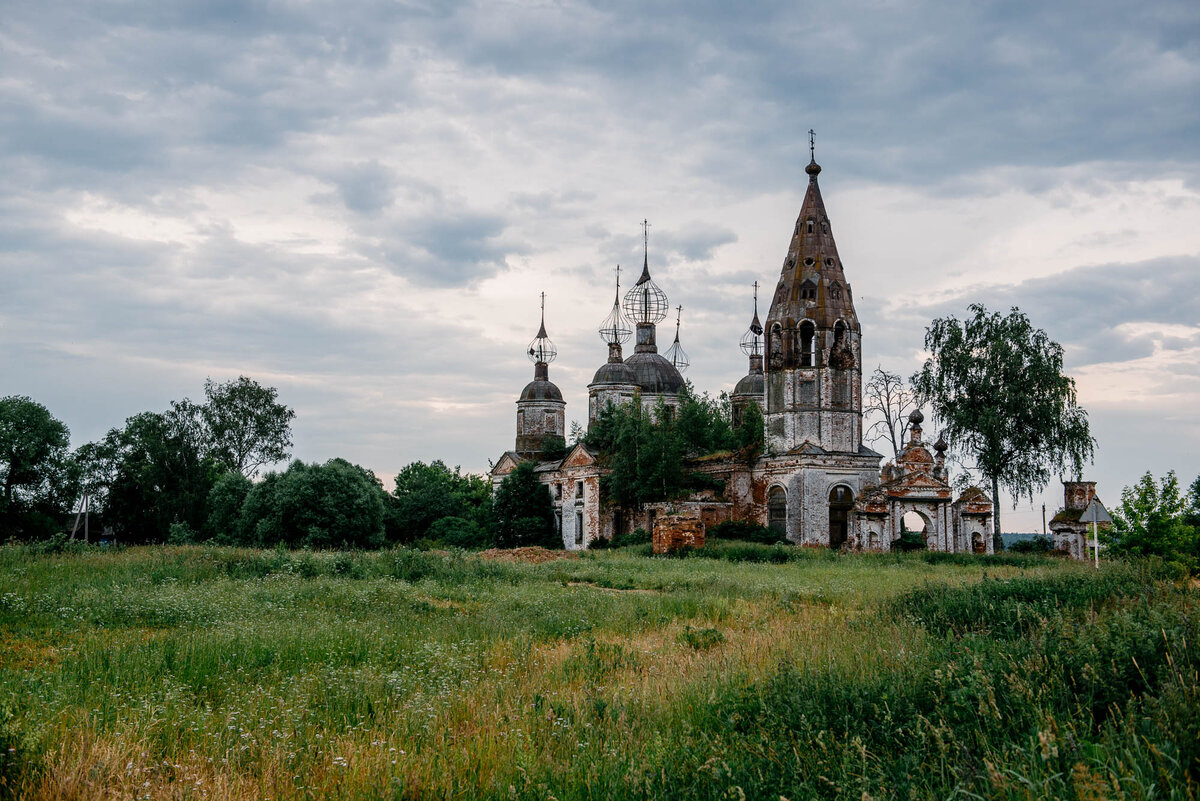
{"x":1158,"y":520}
{"x":523,"y":511}
{"x":892,"y":400}
{"x":225,"y":502}
{"x":247,"y":428}
{"x":331,"y":505}
{"x":750,"y":431}
{"x":152,"y":473}
{"x":996,"y":384}
{"x":426,"y":493}
{"x":37,"y":475}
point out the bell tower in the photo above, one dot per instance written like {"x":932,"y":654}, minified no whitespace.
{"x":813,"y":364}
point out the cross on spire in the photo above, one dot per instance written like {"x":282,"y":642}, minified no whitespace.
{"x":812,"y":144}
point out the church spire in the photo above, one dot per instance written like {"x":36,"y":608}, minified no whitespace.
{"x":811,"y":283}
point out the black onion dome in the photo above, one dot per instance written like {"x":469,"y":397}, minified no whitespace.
{"x":752,"y":384}
{"x":655,"y":374}
{"x":540,"y":391}
{"x":615,"y":373}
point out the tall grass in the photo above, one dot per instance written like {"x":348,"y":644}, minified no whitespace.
{"x":199,"y":672}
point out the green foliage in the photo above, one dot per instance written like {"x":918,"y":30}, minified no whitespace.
{"x":523,"y":511}
{"x":997,"y":386}
{"x":20,"y":754}
{"x":180,"y":534}
{"x":246,"y":428}
{"x":1158,"y":520}
{"x":38,"y":479}
{"x":645,"y":451}
{"x":1013,"y":607}
{"x":701,"y":639}
{"x":703,"y":423}
{"x":831,"y":676}
{"x":151,"y":473}
{"x":458,"y":532}
{"x":748,"y":436}
{"x":743,"y":530}
{"x":162,"y":466}
{"x":331,"y":505}
{"x":1089,"y":709}
{"x":225,"y":509}
{"x":426,"y":493}
{"x":553,"y":447}
{"x":909,"y":541}
{"x":1035,"y":545}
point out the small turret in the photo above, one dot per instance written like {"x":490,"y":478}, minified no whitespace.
{"x":541,"y":410}
{"x":615,"y":382}
{"x":752,"y":387}
{"x":646,"y":305}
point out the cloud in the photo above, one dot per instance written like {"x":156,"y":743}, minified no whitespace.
{"x":363,"y":202}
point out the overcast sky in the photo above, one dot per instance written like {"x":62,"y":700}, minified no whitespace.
{"x":358,"y":203}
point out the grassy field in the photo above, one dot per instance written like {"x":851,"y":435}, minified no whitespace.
{"x":198,"y":672}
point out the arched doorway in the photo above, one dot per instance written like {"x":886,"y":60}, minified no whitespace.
{"x":777,"y":511}
{"x":841,"y":501}
{"x":915,"y":529}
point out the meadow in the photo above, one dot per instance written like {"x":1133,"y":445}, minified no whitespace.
{"x":740,"y":672}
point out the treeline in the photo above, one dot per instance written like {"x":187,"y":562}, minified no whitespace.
{"x":187,"y":474}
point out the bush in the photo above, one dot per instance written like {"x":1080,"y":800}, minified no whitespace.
{"x":745,"y":531}
{"x":1035,"y":545}
{"x":909,"y":541}
{"x":180,"y":534}
{"x":315,"y":506}
{"x":458,"y":532}
{"x":524,"y":511}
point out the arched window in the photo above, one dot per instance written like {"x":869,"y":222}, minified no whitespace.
{"x":808,"y":343}
{"x":777,"y":511}
{"x":808,"y":291}
{"x":775,"y":348}
{"x":810,"y":226}
{"x":841,"y":501}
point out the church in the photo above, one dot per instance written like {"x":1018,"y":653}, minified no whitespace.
{"x":815,"y":483}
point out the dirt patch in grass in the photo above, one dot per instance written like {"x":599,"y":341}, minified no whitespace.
{"x":594,"y":586}
{"x":533,"y":555}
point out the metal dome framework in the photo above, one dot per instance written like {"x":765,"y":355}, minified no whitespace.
{"x":615,"y":329}
{"x":676,"y":354}
{"x":751,"y":343}
{"x":645,"y":302}
{"x":541,"y":349}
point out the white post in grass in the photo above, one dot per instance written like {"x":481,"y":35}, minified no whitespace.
{"x":1095,"y":513}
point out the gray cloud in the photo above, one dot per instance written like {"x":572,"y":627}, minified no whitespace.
{"x":445,"y":149}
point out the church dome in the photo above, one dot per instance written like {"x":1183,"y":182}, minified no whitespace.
{"x":752,"y":384}
{"x":540,"y":390}
{"x":615,"y":373}
{"x":655,"y":374}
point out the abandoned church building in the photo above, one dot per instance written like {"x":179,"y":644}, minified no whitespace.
{"x":815,"y":482}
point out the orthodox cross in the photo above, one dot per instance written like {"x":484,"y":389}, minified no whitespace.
{"x":646,"y":236}
{"x":755,"y":298}
{"x":812,"y":144}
